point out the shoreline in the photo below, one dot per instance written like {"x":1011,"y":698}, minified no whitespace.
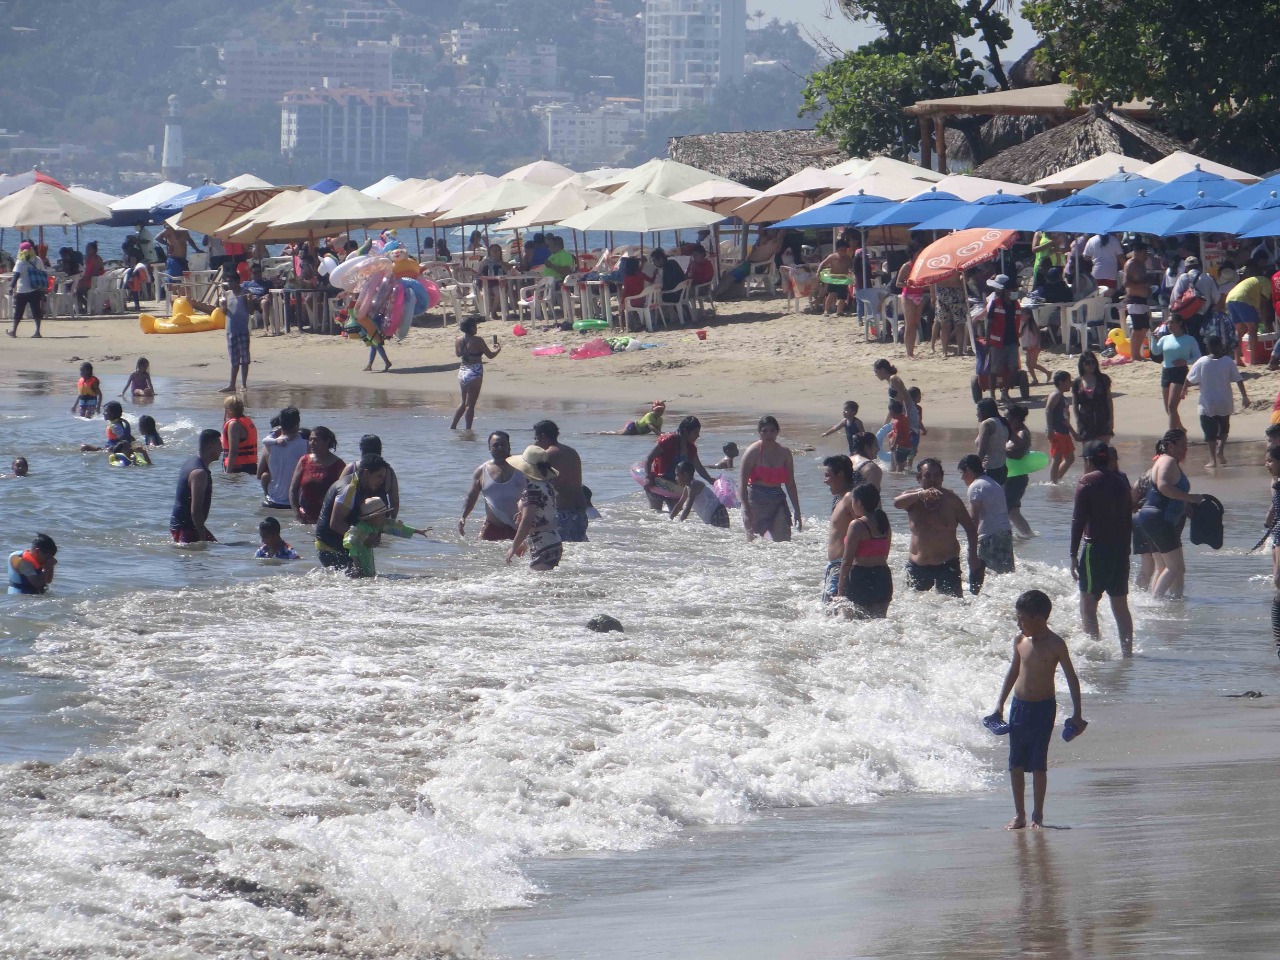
{"x":756,"y":359}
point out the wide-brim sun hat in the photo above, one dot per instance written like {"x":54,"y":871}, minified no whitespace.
{"x":534,"y":463}
{"x":1000,"y":282}
{"x":373,"y":506}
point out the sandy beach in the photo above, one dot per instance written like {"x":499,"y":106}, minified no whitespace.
{"x":757,"y":358}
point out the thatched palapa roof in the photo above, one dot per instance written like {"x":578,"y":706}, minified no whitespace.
{"x":758,"y":158}
{"x":1091,"y":135}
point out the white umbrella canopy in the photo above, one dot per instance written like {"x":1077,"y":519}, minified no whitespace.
{"x":247,"y":181}
{"x":344,"y":208}
{"x":259,"y":224}
{"x":606,"y":178}
{"x":566,"y":200}
{"x":381,"y":188}
{"x":971,"y":188}
{"x":151,"y":196}
{"x":94,"y":196}
{"x":664,"y":178}
{"x":1181,"y":162}
{"x":214,"y":213}
{"x":460,"y":191}
{"x":404,"y":190}
{"x":44,"y":205}
{"x":890,"y":185}
{"x":859,"y":167}
{"x":787,"y":198}
{"x":502,"y":198}
{"x":642,"y":213}
{"x":722,"y":196}
{"x":1086,"y":174}
{"x":547,"y":173}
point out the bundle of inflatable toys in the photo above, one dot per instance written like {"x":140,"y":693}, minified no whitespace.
{"x":385,"y":291}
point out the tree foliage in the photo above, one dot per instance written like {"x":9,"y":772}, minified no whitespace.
{"x":861,"y":94}
{"x":1187,"y":58}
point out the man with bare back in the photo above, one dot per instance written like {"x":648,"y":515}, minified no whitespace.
{"x":571,"y":502}
{"x":837,"y":474}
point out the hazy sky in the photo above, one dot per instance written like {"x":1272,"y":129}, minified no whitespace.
{"x":823,"y":16}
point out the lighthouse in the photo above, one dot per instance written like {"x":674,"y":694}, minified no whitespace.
{"x":172,"y":160}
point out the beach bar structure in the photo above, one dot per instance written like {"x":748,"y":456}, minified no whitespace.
{"x":1049,"y":101}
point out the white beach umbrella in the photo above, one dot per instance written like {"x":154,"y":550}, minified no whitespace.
{"x":798,"y":192}
{"x":890,"y":185}
{"x":858,"y":167}
{"x":547,"y":173}
{"x":381,"y":188}
{"x":604,"y":175}
{"x":144,"y":200}
{"x":247,"y":181}
{"x":451,"y":196}
{"x":502,"y":198}
{"x":642,"y":213}
{"x":662,"y":177}
{"x":722,"y":196}
{"x":342,"y":209}
{"x":971,"y":188}
{"x":566,"y":200}
{"x":1086,"y":174}
{"x":1177,"y":164}
{"x":44,"y":205}
{"x":94,"y":196}
{"x":401,"y":192}
{"x":259,"y":225}
{"x":214,"y":213}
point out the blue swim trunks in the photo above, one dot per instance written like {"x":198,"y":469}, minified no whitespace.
{"x":572,"y":525}
{"x":1030,"y":728}
{"x":831,"y":582}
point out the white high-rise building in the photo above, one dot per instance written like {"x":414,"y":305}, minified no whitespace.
{"x":691,"y":47}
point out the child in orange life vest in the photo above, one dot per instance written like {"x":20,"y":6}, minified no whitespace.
{"x":31,"y":571}
{"x":88,"y":399}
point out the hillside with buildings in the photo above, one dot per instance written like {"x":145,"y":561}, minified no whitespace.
{"x":299,"y":91}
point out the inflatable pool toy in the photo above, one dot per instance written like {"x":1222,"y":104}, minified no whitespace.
{"x":183,"y":320}
{"x":1118,"y":340}
{"x":640,"y":474}
{"x":590,"y":323}
{"x":591,"y":349}
{"x":835,"y":279}
{"x":127,"y":460}
{"x":1032,"y":461}
{"x":882,"y":435}
{"x":726,"y":490}
{"x":552,"y":351}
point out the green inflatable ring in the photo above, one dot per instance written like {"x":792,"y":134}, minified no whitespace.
{"x":590,"y":323}
{"x":1030,"y":462}
{"x":835,"y":279}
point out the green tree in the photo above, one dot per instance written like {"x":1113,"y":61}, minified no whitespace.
{"x":1210,"y":68}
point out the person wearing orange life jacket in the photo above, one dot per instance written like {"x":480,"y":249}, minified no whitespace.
{"x":31,"y":571}
{"x":239,"y":439}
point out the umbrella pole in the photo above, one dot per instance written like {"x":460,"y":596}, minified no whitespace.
{"x":417,"y":244}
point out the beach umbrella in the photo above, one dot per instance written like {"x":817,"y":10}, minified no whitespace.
{"x":561,"y":203}
{"x":663,"y":178}
{"x":93,"y":196}
{"x":545,"y":173}
{"x":958,"y":252}
{"x":800,"y":190}
{"x":1251,"y":195}
{"x":45,"y":205}
{"x":449,"y":195}
{"x":258,"y":226}
{"x":845,"y":212}
{"x":722,"y":196}
{"x":215,"y":212}
{"x":167,"y":208}
{"x":343,"y":209}
{"x":1179,"y":219}
{"x":127,"y":211}
{"x":502,"y":198}
{"x":1264,"y":214}
{"x":642,"y":213}
{"x":247,"y":181}
{"x":1047,"y":216}
{"x":1086,"y":174}
{"x":382,"y":187}
{"x":328,"y":185}
{"x":983,"y":212}
{"x":976,"y":188}
{"x":20,"y":181}
{"x":1191,"y":185}
{"x":892,"y":186}
{"x":1120,"y":186}
{"x":921,"y":207}
{"x":1180,"y":163}
{"x":1112,"y":217}
{"x":402,"y":192}
{"x":887,"y":166}
{"x":603,"y":176}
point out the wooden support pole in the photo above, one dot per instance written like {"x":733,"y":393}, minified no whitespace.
{"x":940,"y":142}
{"x":926,"y":145}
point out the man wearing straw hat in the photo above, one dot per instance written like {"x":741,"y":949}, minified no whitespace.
{"x":537,"y":530}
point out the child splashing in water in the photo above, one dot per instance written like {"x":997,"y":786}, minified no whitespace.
{"x":120,"y":443}
{"x":149,"y":432}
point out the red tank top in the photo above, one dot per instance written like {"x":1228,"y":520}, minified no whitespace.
{"x":316,"y":481}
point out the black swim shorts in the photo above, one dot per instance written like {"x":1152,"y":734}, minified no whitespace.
{"x":1215,"y":428}
{"x":1104,"y":568}
{"x":944,"y":577}
{"x":1030,"y":727}
{"x":869,"y":587}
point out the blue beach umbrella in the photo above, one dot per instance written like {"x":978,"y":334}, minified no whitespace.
{"x":1191,"y":185}
{"x":1113,"y":217}
{"x":1047,"y":216}
{"x":1183,"y":218}
{"x":921,"y":207}
{"x":982,"y":212}
{"x":325,"y":186}
{"x":1254,"y":194}
{"x":1243,"y":219}
{"x":165,"y":210}
{"x":845,"y":212}
{"x":1120,"y":187}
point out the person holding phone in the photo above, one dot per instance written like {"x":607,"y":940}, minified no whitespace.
{"x":471,"y":351}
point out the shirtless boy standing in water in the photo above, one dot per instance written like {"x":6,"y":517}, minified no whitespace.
{"x":1037,"y":653}
{"x":837,"y":474}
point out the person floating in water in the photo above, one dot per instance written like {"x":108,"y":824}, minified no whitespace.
{"x":1037,"y":654}
{"x":650,"y":423}
{"x":120,"y":443}
{"x":273,"y":546}
{"x":19,"y":467}
{"x":88,"y":399}
{"x":149,"y":432}
{"x":31,"y":571}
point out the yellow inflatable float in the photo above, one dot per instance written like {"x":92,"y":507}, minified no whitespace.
{"x":183,"y":320}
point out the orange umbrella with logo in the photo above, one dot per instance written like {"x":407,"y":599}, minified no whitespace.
{"x":956,"y":253}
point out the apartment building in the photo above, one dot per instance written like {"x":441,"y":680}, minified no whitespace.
{"x":537,"y":67}
{"x":358,"y":19}
{"x":257,"y":72}
{"x":601,"y":135}
{"x":691,"y":47}
{"x":348,"y":132}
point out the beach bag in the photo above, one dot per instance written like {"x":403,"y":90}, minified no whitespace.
{"x":39,"y":278}
{"x":1189,"y":302}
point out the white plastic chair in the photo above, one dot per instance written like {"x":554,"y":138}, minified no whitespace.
{"x":105,"y":294}
{"x":761,"y":277}
{"x":891,"y":320}
{"x":573,"y":302}
{"x":644,"y":305}
{"x":536,"y":300}
{"x":61,"y":302}
{"x":1089,"y":314}
{"x":457,"y":299}
{"x":684,"y":306}
{"x":704,"y":298}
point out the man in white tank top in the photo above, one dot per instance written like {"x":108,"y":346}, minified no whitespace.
{"x":501,"y":485}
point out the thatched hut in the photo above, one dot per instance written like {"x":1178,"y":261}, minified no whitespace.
{"x":1097,"y":132}
{"x":758,"y":158}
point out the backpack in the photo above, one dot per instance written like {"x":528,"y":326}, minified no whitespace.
{"x":1189,"y":303}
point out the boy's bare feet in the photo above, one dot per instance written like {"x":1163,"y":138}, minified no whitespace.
{"x":1037,"y":821}
{"x":1017,"y":823}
